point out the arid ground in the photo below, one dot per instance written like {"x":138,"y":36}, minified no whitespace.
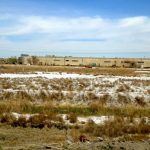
{"x":49,"y":107}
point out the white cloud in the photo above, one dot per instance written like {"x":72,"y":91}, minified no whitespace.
{"x":134,"y":21}
{"x":125,"y":34}
{"x":35,"y":24}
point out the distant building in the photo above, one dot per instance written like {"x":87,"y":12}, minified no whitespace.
{"x":87,"y":61}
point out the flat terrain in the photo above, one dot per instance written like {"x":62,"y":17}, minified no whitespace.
{"x":37,"y":139}
{"x":68,"y":69}
{"x":49,"y":107}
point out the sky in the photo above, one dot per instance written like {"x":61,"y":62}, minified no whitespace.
{"x":99,"y":28}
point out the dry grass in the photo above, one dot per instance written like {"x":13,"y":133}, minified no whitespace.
{"x":89,"y":127}
{"x":28,"y":138}
{"x":75,"y":134}
{"x":48,"y":118}
{"x":34,"y":121}
{"x":97,"y":71}
{"x":117,"y":127}
{"x":25,"y":106}
{"x":123,"y":88}
{"x":47,"y":102}
{"x":136,"y":137}
{"x":72,"y":118}
{"x":74,"y":91}
{"x":148,"y":92}
{"x":15,"y":106}
{"x":140,"y":101}
{"x":123,"y":99}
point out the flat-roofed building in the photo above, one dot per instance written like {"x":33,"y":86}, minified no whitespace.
{"x":87,"y":61}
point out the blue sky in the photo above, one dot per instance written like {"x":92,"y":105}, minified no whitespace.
{"x":114,"y":28}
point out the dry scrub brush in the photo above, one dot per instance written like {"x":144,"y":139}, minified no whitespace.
{"x":117,"y":127}
{"x":80,"y":70}
{"x":72,"y":118}
{"x":140,"y":101}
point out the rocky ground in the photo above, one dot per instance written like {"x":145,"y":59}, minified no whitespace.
{"x":111,"y":145}
{"x":105,"y":145}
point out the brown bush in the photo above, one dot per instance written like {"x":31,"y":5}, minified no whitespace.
{"x":144,"y":128}
{"x":89,"y":127}
{"x":58,"y":96}
{"x":123,"y":99}
{"x":121,"y":89}
{"x":7,"y":118}
{"x":22,"y":122}
{"x":37,"y":119}
{"x":110,"y":128}
{"x":140,"y":101}
{"x":105,"y":98}
{"x":148,"y":92}
{"x":117,"y":127}
{"x":6,"y":96}
{"x":91,"y":96}
{"x":43,"y":96}
{"x":72,"y":118}
{"x":23,"y":95}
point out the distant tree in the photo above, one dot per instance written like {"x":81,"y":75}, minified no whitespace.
{"x":3,"y":61}
{"x":24,"y":55}
{"x":20,"y":60}
{"x":12,"y":60}
{"x":35,"y":60}
{"x":29,"y":61}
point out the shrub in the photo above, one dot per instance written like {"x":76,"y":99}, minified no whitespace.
{"x":22,"y":122}
{"x":43,"y":95}
{"x":123,"y":99}
{"x":89,"y":126}
{"x":24,"y":96}
{"x":72,"y":118}
{"x":117,"y":127}
{"x":92,"y":96}
{"x":105,"y":98}
{"x":121,"y":89}
{"x":144,"y":128}
{"x":37,"y":119}
{"x":60,"y":125}
{"x":148,"y":91}
{"x":6,"y":118}
{"x":140,"y":101}
{"x":6,"y":96}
